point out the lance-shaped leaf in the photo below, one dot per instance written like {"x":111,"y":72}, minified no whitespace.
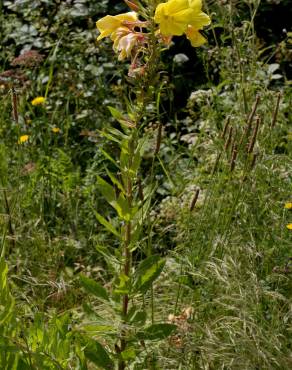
{"x":106,"y":224}
{"x":156,"y":332}
{"x":147,"y":272}
{"x":97,"y":354}
{"x":120,"y":204}
{"x":6,"y":300}
{"x":115,"y":181}
{"x":123,"y":120}
{"x":91,"y":286}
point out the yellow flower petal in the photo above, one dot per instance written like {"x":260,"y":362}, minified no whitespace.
{"x":55,"y":130}
{"x":289,"y":226}
{"x":108,"y":24}
{"x":23,"y":139}
{"x":195,"y":37}
{"x":196,"y":5}
{"x":175,"y":16}
{"x":38,"y":100}
{"x":200,"y":20}
{"x":288,"y":206}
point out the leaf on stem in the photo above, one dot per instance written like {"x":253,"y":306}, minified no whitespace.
{"x":97,"y":354}
{"x":156,"y":331}
{"x":94,"y":288}
{"x":147,"y":272}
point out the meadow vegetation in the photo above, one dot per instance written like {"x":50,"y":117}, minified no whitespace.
{"x":146,"y":213}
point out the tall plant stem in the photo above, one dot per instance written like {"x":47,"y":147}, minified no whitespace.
{"x":127,"y":252}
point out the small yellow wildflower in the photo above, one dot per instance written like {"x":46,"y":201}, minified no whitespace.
{"x":289,"y":226}
{"x":109,"y":24}
{"x":38,"y":100}
{"x":56,"y":130}
{"x":288,"y":206}
{"x":23,"y":139}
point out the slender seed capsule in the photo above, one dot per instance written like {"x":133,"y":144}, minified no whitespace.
{"x":254,"y":136}
{"x":225,"y":127}
{"x":247,"y":128}
{"x":276,"y":110}
{"x":216,"y":163}
{"x":158,"y":139}
{"x":140,"y":189}
{"x":228,"y":141}
{"x":14,"y":105}
{"x":233,"y":158}
{"x":194,"y":200}
{"x":254,"y":159}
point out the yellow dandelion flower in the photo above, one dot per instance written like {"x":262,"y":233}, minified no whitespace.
{"x":23,"y":139}
{"x":56,"y":130}
{"x":109,"y":24}
{"x":38,"y":100}
{"x":175,"y":16}
{"x":289,"y":226}
{"x":288,"y":206}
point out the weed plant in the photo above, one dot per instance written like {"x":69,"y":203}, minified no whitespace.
{"x":154,"y":238}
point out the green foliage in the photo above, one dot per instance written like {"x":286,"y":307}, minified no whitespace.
{"x":143,"y":234}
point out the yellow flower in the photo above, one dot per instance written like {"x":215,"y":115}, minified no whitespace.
{"x":289,"y":226}
{"x":173,"y":17}
{"x":56,"y":130}
{"x":176,"y":17}
{"x":288,"y":206}
{"x":109,"y":24}
{"x":199,"y":18}
{"x":195,"y":36}
{"x":23,"y":139}
{"x":38,"y":100}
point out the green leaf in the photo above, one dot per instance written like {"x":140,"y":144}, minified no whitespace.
{"x":107,"y":190}
{"x":95,"y":328}
{"x":96,"y":353}
{"x":115,"y":181}
{"x":94,"y":288}
{"x":115,"y":113}
{"x":106,"y":224}
{"x":138,"y":155}
{"x":121,"y":118}
{"x":136,"y":317}
{"x":120,"y":204}
{"x":129,"y":354}
{"x":147,"y":272}
{"x":6,"y":300}
{"x":107,"y":156}
{"x":109,"y":137}
{"x":123,"y":287}
{"x":156,"y":332}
